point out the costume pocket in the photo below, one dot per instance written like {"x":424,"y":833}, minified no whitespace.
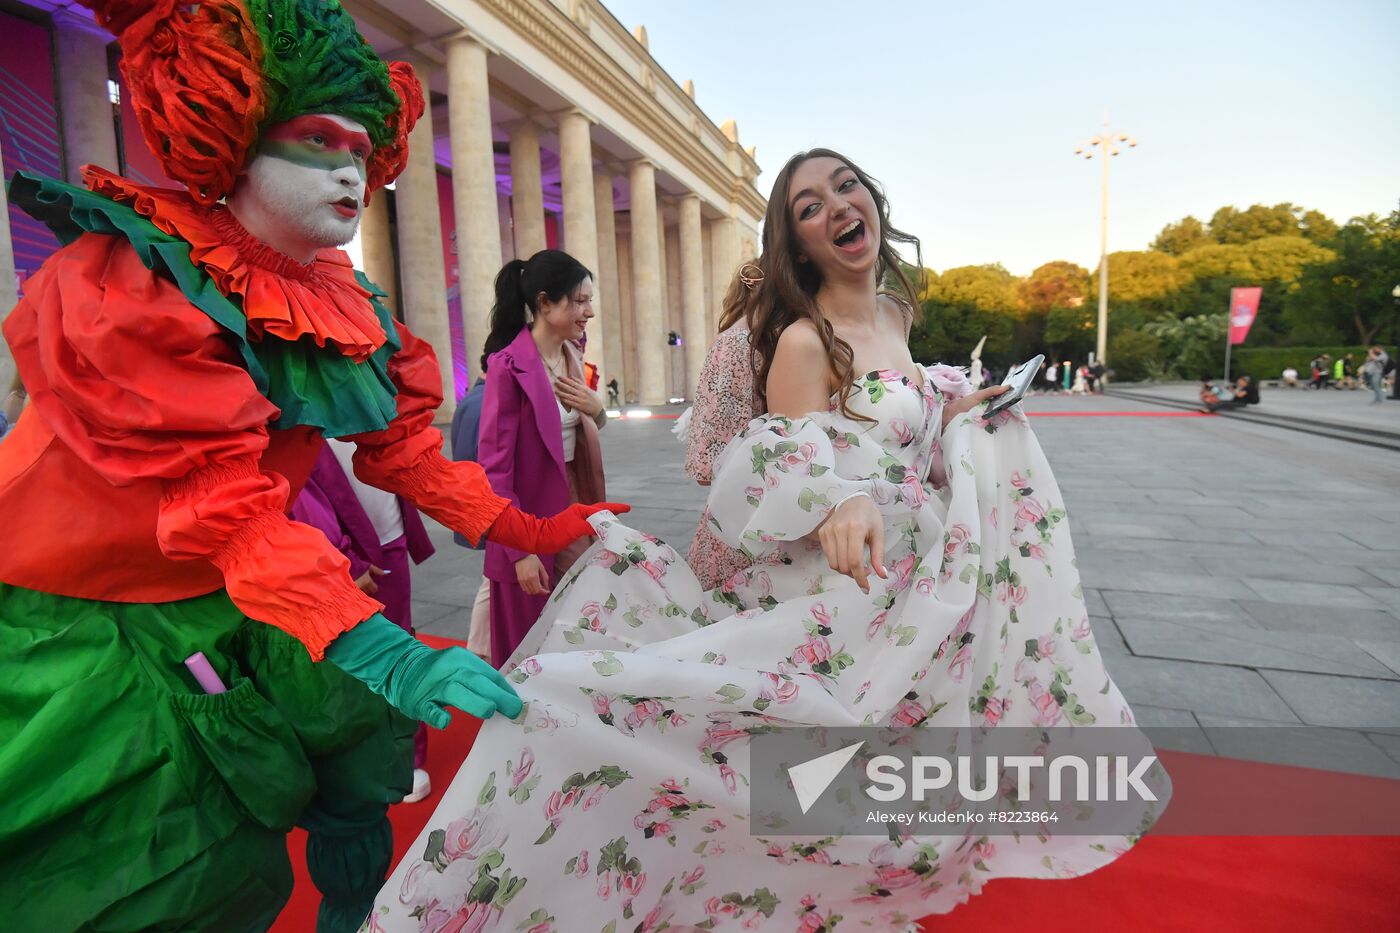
{"x":254,"y":751}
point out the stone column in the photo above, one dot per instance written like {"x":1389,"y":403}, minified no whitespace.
{"x":646,"y":286}
{"x":9,"y":288}
{"x":675,"y":319}
{"x":503,"y":224}
{"x":89,"y":122}
{"x":609,"y":311}
{"x":712,"y":312}
{"x":724,"y":258}
{"x":581,"y":220}
{"x":377,"y":248}
{"x":526,"y":191}
{"x":692,"y":262}
{"x":473,"y":191}
{"x":424,"y":286}
{"x":665,"y":351}
{"x":627,"y":307}
{"x":748,"y":248}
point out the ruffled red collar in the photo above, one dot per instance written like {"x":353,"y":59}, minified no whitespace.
{"x":280,"y":296}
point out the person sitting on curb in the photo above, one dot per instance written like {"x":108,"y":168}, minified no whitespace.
{"x":1246,"y":392}
{"x":1210,"y":393}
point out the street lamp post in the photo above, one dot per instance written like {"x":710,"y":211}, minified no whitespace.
{"x":1107,"y":145}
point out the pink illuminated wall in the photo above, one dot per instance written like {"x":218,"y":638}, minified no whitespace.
{"x":454,"y":292}
{"x":138,"y":163}
{"x":28,"y":129}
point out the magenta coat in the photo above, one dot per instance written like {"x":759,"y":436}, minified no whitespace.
{"x":521,"y":448}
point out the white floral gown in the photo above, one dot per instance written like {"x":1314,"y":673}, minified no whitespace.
{"x":618,"y":800}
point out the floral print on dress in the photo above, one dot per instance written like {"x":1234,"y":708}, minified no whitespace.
{"x":725,"y":402}
{"x":623,"y":795}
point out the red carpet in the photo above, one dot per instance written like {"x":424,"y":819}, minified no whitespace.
{"x":1196,"y":883}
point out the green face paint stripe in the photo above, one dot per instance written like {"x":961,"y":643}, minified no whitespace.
{"x":308,"y":156}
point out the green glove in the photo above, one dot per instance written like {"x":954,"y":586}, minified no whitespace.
{"x":419,"y":680}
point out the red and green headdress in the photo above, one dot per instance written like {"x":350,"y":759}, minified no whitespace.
{"x":207,"y":78}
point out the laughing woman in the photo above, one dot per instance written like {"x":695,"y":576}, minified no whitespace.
{"x":539,"y":425}
{"x":620,"y":798}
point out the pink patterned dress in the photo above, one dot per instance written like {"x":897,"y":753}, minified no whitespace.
{"x":619,"y":800}
{"x":725,"y":402}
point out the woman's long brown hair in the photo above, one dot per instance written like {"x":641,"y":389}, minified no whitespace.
{"x":736,"y":301}
{"x":789,"y":288}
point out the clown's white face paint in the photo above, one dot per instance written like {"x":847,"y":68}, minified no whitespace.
{"x":304,"y":190}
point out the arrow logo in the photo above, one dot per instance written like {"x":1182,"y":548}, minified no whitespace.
{"x":811,"y":778}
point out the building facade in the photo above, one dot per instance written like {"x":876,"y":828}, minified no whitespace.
{"x":549,"y":125}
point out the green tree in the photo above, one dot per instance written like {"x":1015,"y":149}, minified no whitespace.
{"x":1191,"y":346}
{"x":1186,"y":234}
{"x":1270,"y":259}
{"x":1229,"y":225}
{"x":918,"y":276}
{"x":1283,"y":258}
{"x":1071,"y":332}
{"x":1057,"y":284}
{"x":1318,"y":227}
{"x":989,"y":287}
{"x":1142,"y":276}
{"x":1135,"y":355}
{"x":1349,"y":297}
{"x":963,"y":305}
{"x":1272,"y":262}
{"x":1216,"y":260}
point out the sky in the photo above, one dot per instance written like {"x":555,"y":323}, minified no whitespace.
{"x":969,"y":113}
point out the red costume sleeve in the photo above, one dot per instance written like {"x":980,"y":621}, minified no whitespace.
{"x":406,"y":457}
{"x":143,"y":387}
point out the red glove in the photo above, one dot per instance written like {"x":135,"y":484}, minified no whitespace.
{"x":526,"y":532}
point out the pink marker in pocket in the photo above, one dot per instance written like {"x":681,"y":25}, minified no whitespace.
{"x":204,"y":672}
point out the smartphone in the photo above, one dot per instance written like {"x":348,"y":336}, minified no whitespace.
{"x":1020,"y":380}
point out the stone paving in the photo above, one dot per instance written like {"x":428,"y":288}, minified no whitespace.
{"x":1236,"y":574}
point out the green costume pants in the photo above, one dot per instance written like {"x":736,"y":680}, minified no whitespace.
{"x":130,"y":800}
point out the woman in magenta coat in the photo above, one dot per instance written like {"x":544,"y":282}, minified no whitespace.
{"x":539,"y":426}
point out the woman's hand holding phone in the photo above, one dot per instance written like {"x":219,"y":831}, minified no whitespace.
{"x":1018,"y":383}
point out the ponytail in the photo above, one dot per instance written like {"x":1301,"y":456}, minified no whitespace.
{"x":550,"y":272}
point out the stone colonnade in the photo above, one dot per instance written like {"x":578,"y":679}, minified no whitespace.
{"x":627,"y":250}
{"x":663,"y":255}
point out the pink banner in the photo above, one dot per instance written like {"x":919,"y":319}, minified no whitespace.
{"x":1244,"y":304}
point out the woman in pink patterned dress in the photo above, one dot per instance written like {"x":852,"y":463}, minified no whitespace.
{"x":725,"y":403}
{"x":620,"y":799}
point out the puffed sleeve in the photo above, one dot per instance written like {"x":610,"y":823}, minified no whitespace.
{"x":783,"y":477}
{"x":723,"y":402}
{"x":143,"y":386}
{"x":406,"y":457}
{"x":313,"y":508}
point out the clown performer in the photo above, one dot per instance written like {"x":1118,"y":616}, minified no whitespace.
{"x":167,"y":712}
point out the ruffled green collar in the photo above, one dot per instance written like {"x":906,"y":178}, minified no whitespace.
{"x":311,"y":385}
